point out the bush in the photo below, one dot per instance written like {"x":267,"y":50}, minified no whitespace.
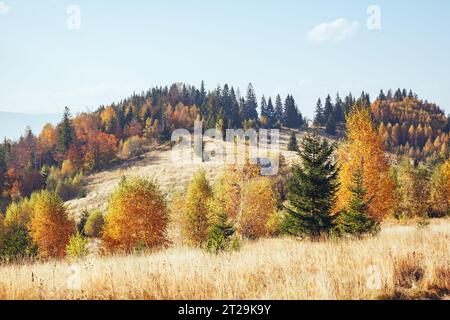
{"x":50,"y":227}
{"x":77,"y":247}
{"x":197,"y":207}
{"x":94,"y":224}
{"x":63,"y":183}
{"x":137,"y":216}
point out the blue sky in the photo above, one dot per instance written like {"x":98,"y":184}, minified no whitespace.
{"x":280,"y":46}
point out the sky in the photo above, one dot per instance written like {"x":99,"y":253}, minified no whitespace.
{"x":83,"y":53}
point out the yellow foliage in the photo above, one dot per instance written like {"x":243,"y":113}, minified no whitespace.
{"x":197,"y":207}
{"x":18,"y":214}
{"x":446,"y":174}
{"x":259,"y":203}
{"x":364,"y":152}
{"x":50,"y":227}
{"x":137,"y":216}
{"x":67,"y":168}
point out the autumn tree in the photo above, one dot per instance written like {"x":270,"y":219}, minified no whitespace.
{"x":312,"y":190}
{"x":50,"y":226}
{"x":197,"y":210}
{"x":439,"y":191}
{"x":364,"y":152}
{"x":137,"y":216}
{"x":259,"y":203}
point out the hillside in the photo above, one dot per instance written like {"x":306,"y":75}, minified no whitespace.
{"x":156,"y":164}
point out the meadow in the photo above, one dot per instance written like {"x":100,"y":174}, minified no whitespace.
{"x":402,"y":262}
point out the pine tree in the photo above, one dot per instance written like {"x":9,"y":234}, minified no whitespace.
{"x":328,"y":108}
{"x":65,"y":132}
{"x":319,"y":117}
{"x":250,"y":105}
{"x":293,"y":143}
{"x":291,"y":118}
{"x":311,"y":190}
{"x":271,"y":113}
{"x":220,"y":235}
{"x":235,"y":117}
{"x":278,"y":116}
{"x":264,"y":107}
{"x":331,"y":125}
{"x":355,"y":220}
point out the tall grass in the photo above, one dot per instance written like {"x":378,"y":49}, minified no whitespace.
{"x":402,"y":262}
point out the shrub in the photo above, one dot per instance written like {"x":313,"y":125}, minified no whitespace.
{"x":293,"y":143}
{"x":137,"y":216}
{"x":94,"y":224}
{"x":50,"y":227}
{"x":68,"y":187}
{"x":197,"y":207}
{"x":77,"y":247}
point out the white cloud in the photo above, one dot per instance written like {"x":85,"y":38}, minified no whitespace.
{"x":4,"y":8}
{"x":335,"y":31}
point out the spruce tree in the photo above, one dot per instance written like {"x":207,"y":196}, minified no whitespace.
{"x":311,"y":190}
{"x":278,"y":116}
{"x":319,"y":117}
{"x":328,"y":108}
{"x":293,"y":143}
{"x":65,"y":132}
{"x":250,"y":105}
{"x":220,"y":235}
{"x":271,"y":112}
{"x":291,"y":118}
{"x":355,"y":220}
{"x":264,"y":107}
{"x":331,"y":125}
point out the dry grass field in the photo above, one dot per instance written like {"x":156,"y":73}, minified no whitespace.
{"x":403,"y":262}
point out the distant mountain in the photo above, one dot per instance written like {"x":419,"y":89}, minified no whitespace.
{"x":13,"y":125}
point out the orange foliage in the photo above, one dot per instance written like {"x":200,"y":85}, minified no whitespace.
{"x":50,"y":227}
{"x":137,"y":217}
{"x":364,"y":152}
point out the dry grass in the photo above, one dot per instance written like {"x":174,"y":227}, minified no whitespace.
{"x":402,"y":262}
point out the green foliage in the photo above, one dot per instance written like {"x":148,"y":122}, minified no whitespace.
{"x":67,"y":187}
{"x":17,"y":244}
{"x":312,"y":190}
{"x":94,"y":224}
{"x":220,"y":236}
{"x":77,"y":247}
{"x":293,"y":143}
{"x":355,"y":221}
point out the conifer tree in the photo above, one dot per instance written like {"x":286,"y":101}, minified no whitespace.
{"x":65,"y":132}
{"x":328,"y":108}
{"x":319,"y":117}
{"x":311,"y":190}
{"x":250,"y":105}
{"x":331,"y":125}
{"x":271,"y":112}
{"x":278,"y":116}
{"x":355,"y":220}
{"x":220,"y":235}
{"x":264,"y":107}
{"x":292,"y":117}
{"x":293,"y":143}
